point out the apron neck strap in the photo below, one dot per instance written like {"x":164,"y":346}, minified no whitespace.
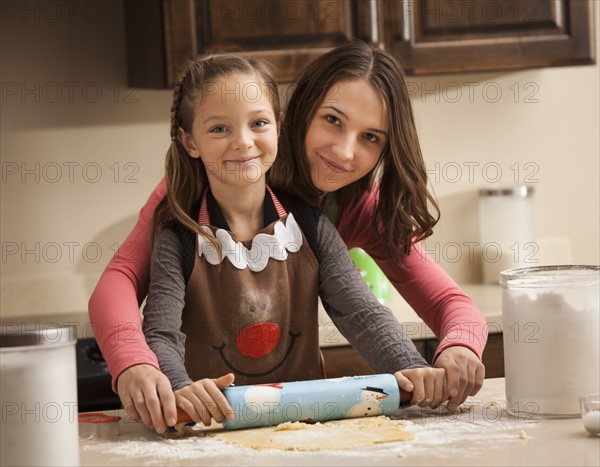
{"x":204,"y":217}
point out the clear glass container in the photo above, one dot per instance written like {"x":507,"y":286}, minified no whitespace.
{"x":551,"y":330}
{"x":506,"y":230}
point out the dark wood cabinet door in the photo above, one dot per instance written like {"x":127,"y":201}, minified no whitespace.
{"x":442,"y":36}
{"x":345,"y":361}
{"x":427,"y":36}
{"x":287,"y":33}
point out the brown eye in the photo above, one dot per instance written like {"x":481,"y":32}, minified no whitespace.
{"x":371,"y":137}
{"x":332,"y":119}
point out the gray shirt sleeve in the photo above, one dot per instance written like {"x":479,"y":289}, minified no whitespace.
{"x":164,"y":307}
{"x":370,"y":327}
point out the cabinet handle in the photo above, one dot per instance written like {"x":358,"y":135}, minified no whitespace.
{"x":374,"y":25}
{"x":408,"y":8}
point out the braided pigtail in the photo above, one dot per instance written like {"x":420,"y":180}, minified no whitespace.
{"x":185,"y":175}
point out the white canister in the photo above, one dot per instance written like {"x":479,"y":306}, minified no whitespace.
{"x":38,"y":389}
{"x":551,"y":328}
{"x":506,"y":230}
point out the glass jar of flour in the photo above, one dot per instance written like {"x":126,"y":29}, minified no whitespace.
{"x":551,"y":329}
{"x":506,"y":230}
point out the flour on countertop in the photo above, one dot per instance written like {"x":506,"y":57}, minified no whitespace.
{"x":479,"y":424}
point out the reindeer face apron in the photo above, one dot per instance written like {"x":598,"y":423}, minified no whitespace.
{"x":252,"y":310}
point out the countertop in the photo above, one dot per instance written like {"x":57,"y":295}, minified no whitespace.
{"x":487,"y":298}
{"x":483,"y":435}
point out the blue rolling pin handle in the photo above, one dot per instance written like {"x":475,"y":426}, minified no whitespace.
{"x":312,"y":401}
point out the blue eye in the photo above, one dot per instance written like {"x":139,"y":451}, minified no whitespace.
{"x":259,"y":124}
{"x":218,"y":129}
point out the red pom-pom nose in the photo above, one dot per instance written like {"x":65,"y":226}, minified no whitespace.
{"x":258,"y":340}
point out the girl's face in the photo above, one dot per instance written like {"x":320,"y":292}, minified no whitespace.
{"x":347,"y":135}
{"x":234,"y":131}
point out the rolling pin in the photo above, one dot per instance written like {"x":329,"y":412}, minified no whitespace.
{"x":311,"y":401}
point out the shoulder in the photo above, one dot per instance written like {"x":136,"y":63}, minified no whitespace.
{"x":363,"y":203}
{"x":186,"y":241}
{"x":297,"y":205}
{"x":306,"y":215}
{"x":356,"y":218}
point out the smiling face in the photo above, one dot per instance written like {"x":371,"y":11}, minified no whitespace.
{"x":346,"y":136}
{"x":234,"y":131}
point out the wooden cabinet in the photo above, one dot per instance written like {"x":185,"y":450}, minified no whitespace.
{"x":345,"y":361}
{"x":443,"y":36}
{"x":289,"y":34}
{"x":427,"y":36}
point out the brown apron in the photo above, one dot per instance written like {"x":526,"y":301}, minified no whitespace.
{"x":261,"y":325}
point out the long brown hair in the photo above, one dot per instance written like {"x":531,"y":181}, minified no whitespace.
{"x":401,"y":215}
{"x":186,"y":176}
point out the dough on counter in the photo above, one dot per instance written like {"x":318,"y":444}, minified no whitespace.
{"x":291,"y":426}
{"x":334,"y":435}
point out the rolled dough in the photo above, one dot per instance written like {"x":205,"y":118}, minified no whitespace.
{"x":334,"y":435}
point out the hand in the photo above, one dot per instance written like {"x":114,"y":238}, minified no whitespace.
{"x":204,"y":399}
{"x":426,"y":384}
{"x":146,"y":393}
{"x":464,"y":374}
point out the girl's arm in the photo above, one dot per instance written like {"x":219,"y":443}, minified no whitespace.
{"x":202,"y":399}
{"x":369,"y":326}
{"x":114,"y":313}
{"x":164,"y":307}
{"x":435,"y":297}
{"x":114,"y":306}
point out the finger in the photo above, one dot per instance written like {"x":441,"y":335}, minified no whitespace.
{"x":466,"y":377}
{"x":403,"y":382}
{"x":428,"y":389}
{"x":188,"y":407}
{"x":479,"y":377}
{"x":454,"y":402}
{"x":439,"y":391}
{"x":154,"y":408}
{"x":213,"y":400}
{"x":470,"y":383}
{"x":127,"y":400}
{"x":224,"y":381}
{"x":418,"y":391}
{"x":222,"y":408}
{"x":167,"y":400}
{"x":129,"y":406}
{"x":453,"y":378}
{"x":140,"y":406}
{"x":466,"y":384}
{"x":202,"y":403}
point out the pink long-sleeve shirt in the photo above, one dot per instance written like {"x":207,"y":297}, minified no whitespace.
{"x":435,"y":297}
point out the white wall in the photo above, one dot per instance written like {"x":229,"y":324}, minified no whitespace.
{"x":65,"y":106}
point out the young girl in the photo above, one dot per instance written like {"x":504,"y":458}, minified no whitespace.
{"x":236,"y":269}
{"x":395,"y":171}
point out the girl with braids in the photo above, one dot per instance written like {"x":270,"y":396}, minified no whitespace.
{"x":237,"y":268}
{"x":348,"y":144}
